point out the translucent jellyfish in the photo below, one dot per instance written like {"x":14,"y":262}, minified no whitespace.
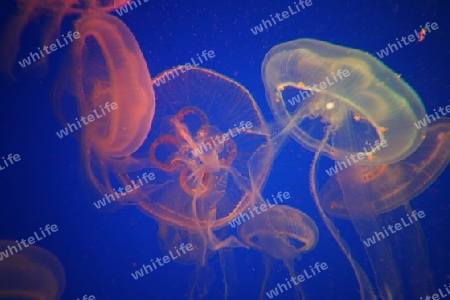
{"x":31,"y":273}
{"x":109,"y":79}
{"x":352,"y":100}
{"x":50,"y":14}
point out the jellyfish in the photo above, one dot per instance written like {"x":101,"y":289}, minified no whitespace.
{"x":50,"y":13}
{"x":284,"y":233}
{"x":210,"y":150}
{"x":31,"y":273}
{"x":339,"y":120}
{"x":394,"y":185}
{"x":169,"y":238}
{"x":372,"y":100}
{"x":110,"y":82}
{"x":390,"y":189}
{"x":208,"y":161}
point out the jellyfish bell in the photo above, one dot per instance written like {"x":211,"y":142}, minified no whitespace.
{"x":123,"y":78}
{"x":50,"y":13}
{"x":208,"y":169}
{"x":394,"y":185}
{"x":388,"y":190}
{"x":32,"y":273}
{"x":109,"y":79}
{"x":376,"y":197}
{"x":282,"y":232}
{"x":371,"y":103}
{"x":340,"y":87}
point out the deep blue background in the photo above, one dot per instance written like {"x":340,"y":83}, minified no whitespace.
{"x":97,"y":249}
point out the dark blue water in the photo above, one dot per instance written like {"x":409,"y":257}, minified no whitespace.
{"x":100,"y":249}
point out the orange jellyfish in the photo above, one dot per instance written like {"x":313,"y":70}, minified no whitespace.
{"x":109,"y":79}
{"x":389,"y":188}
{"x":50,"y":13}
{"x":31,"y":273}
{"x":210,"y":152}
{"x":395,"y":184}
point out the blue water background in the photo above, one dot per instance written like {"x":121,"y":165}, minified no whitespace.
{"x":97,"y":248}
